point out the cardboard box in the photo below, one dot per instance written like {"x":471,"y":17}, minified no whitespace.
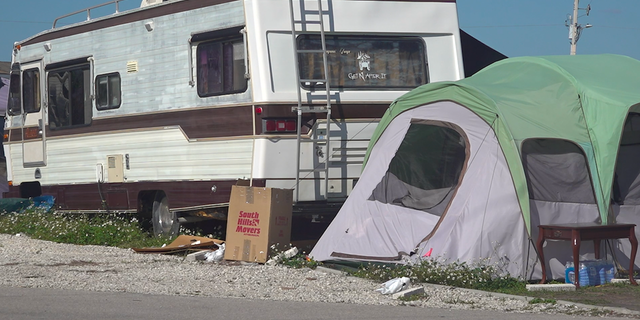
{"x":258,"y":218}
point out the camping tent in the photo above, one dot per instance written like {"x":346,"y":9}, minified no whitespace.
{"x":466,"y":170}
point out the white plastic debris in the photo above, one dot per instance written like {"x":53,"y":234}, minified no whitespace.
{"x":290,"y":253}
{"x":283,"y":255}
{"x":215,"y":256}
{"x":394,"y":285}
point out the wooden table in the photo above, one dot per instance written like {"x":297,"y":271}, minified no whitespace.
{"x":577,"y":232}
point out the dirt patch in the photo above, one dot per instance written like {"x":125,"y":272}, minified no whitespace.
{"x":72,"y":263}
{"x":610,"y":295}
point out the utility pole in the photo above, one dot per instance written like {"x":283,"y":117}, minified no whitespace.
{"x":574,"y":28}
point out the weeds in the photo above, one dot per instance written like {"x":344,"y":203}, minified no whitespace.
{"x":541,"y":300}
{"x":458,"y":274}
{"x":84,"y":229}
{"x":297,"y":260}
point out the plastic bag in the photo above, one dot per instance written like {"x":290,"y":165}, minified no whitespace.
{"x":283,"y":255}
{"x":394,"y":285}
{"x":215,"y":256}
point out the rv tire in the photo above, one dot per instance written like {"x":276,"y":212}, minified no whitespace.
{"x":165,"y":222}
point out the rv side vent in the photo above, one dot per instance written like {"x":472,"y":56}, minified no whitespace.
{"x":132,"y":66}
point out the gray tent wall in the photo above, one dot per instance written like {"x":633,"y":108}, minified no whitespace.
{"x":483,"y":222}
{"x":626,"y":198}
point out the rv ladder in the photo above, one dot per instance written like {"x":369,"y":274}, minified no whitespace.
{"x":307,"y":19}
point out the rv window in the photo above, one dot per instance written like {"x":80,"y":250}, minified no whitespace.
{"x":31,"y":90}
{"x":14,"y":94}
{"x":426,"y":169}
{"x":69,"y":97}
{"x":108,"y":91}
{"x":364,"y":62}
{"x":557,"y":170}
{"x":220,"y":67}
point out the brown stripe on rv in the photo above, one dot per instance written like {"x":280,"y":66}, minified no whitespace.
{"x":182,"y":195}
{"x":152,"y":12}
{"x":214,"y":122}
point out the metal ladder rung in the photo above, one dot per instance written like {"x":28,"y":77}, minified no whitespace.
{"x":311,"y":51}
{"x":314,"y":10}
{"x":313,"y":170}
{"x":308,"y":21}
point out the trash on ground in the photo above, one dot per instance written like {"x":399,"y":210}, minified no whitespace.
{"x":394,"y":285}
{"x":215,"y":256}
{"x":183,"y":243}
{"x":19,"y":205}
{"x":283,"y":255}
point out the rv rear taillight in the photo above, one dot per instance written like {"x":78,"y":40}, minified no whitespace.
{"x":31,"y":133}
{"x":269,"y":125}
{"x":279,"y":125}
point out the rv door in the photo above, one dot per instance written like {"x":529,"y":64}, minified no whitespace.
{"x":33,"y":133}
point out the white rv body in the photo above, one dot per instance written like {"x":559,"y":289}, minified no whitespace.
{"x":120,"y":158}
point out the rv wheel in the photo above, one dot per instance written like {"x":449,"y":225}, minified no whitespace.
{"x":165,"y":222}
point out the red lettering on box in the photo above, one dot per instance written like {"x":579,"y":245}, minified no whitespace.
{"x":248,"y":231}
{"x":282,"y":221}
{"x":252,"y":215}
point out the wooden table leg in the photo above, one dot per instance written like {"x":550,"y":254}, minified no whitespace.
{"x":634,"y":248}
{"x":575,"y":243}
{"x":539,"y":244}
{"x":596,"y":248}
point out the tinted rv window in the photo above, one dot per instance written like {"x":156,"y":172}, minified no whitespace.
{"x":31,"y":90}
{"x":14,"y":94}
{"x":220,"y":67}
{"x":426,"y":169}
{"x":69,"y":96}
{"x":108,"y":91}
{"x":557,"y":171}
{"x":364,"y":62}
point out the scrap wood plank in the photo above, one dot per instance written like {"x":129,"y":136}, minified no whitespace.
{"x":183,"y":243}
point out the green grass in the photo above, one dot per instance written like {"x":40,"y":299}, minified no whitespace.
{"x":458,"y":274}
{"x":107,"y":230}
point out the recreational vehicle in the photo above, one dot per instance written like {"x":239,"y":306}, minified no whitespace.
{"x":161,"y":109}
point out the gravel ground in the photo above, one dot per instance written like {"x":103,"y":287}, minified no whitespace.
{"x":26,"y":262}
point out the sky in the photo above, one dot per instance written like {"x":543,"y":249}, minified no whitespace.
{"x":513,"y":27}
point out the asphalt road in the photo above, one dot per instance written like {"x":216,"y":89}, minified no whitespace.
{"x":29,"y":303}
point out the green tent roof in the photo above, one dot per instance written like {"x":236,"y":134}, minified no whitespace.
{"x":582,"y":98}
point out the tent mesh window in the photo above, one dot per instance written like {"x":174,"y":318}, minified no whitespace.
{"x":557,"y":171}
{"x":425,"y":170}
{"x":626,"y":184}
